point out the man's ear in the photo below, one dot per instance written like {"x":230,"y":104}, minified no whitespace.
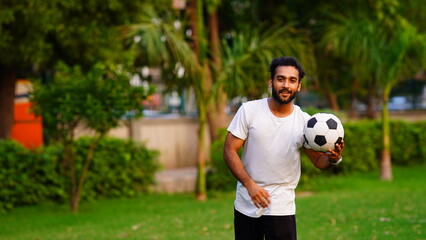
{"x":270,"y":82}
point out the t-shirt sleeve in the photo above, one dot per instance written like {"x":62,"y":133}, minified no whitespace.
{"x":239,"y":125}
{"x":306,"y":118}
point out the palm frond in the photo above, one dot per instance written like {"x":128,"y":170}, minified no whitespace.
{"x":377,"y":49}
{"x":159,"y":43}
{"x":246,"y":56}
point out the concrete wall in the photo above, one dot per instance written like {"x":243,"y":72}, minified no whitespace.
{"x":175,"y":139}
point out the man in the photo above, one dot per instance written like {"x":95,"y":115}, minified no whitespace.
{"x":271,"y":130}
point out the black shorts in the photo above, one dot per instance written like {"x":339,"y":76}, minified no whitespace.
{"x":265,"y":227}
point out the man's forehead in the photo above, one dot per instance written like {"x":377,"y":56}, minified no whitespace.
{"x":286,"y":71}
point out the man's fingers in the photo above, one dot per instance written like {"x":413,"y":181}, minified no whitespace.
{"x":261,"y":199}
{"x":264,"y":199}
{"x":340,"y":146}
{"x":337,"y":152}
{"x":262,"y":203}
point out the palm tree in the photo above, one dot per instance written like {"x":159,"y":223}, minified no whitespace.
{"x":160,"y":43}
{"x":404,"y":55}
{"x":383,"y":49}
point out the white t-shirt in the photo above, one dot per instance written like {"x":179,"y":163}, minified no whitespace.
{"x":271,"y":155}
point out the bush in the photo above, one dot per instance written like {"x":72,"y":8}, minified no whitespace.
{"x":14,"y":179}
{"x":119,"y":168}
{"x":363,"y":143}
{"x":27,"y":177}
{"x":404,"y":136}
{"x":421,"y":139}
{"x":218,"y":175}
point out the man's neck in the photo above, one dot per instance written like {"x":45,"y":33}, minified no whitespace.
{"x":278,"y":109}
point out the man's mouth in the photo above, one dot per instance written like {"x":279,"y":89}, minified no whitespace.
{"x":283,"y":91}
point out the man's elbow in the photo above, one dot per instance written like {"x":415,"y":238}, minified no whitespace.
{"x":323,"y":166}
{"x":226,"y":155}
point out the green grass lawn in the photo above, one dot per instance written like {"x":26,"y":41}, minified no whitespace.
{"x":362,"y":207}
{"x":352,"y":207}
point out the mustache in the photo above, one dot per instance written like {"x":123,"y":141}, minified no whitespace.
{"x":284,"y":91}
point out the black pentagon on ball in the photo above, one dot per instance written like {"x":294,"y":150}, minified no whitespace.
{"x":307,"y":142}
{"x":320,"y":140}
{"x":339,"y":140}
{"x":331,"y":123}
{"x":312,"y":122}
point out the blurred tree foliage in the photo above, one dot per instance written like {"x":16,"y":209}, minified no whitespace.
{"x":36,"y":34}
{"x":336,"y":78}
{"x":87,"y":32}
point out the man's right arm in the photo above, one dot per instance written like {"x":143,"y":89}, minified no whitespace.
{"x":233,"y":144}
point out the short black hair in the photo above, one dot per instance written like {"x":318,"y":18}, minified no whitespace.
{"x":286,"y":61}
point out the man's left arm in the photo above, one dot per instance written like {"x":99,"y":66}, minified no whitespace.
{"x":326,"y":160}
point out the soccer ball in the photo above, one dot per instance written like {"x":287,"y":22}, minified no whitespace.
{"x":323,"y":131}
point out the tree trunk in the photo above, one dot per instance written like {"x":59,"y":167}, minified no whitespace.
{"x":385,"y":160}
{"x":195,"y":12}
{"x":7,"y":100}
{"x":214,"y":40}
{"x":217,"y":109}
{"x":76,"y":195}
{"x":371,"y":105}
{"x":192,"y":13}
{"x":68,"y":168}
{"x":353,"y":111}
{"x":217,"y":116}
{"x":201,"y":189}
{"x":332,"y":99}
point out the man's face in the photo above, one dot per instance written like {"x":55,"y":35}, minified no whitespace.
{"x":285,"y":84}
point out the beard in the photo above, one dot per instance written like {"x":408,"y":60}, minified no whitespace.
{"x":276,"y":96}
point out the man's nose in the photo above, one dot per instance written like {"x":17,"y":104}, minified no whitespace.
{"x":286,"y":83}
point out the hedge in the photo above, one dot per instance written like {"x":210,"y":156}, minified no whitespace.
{"x":218,"y":175}
{"x":363,"y":143}
{"x":27,"y":177}
{"x":119,"y":168}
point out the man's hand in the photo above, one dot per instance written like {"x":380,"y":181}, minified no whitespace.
{"x":336,"y":154}
{"x":259,"y":195}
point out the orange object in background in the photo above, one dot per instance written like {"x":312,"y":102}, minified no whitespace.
{"x":27,"y":127}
